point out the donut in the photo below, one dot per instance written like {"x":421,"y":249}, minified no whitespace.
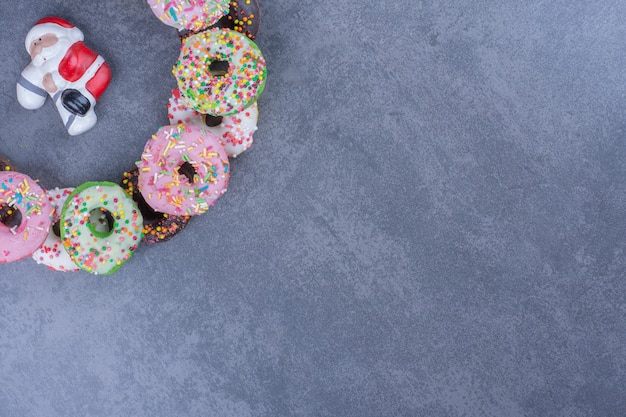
{"x":243,"y":16}
{"x":100,"y":227}
{"x":189,"y":14}
{"x":21,"y":193}
{"x":220,"y":72}
{"x":157,"y":227}
{"x":183,"y":170}
{"x":178,"y":112}
{"x":8,"y":216}
{"x":234,"y":132}
{"x":52,"y":253}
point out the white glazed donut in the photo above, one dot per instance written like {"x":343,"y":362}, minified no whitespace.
{"x":234,"y":132}
{"x":101,"y":227}
{"x":52,"y":253}
{"x":220,"y":72}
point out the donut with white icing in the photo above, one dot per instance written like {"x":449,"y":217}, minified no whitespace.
{"x":22,"y":193}
{"x":183,"y":170}
{"x":100,"y":227}
{"x":52,"y":253}
{"x":220,"y":72}
{"x":234,"y":132}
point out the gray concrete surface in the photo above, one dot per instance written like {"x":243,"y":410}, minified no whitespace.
{"x":430,"y":222}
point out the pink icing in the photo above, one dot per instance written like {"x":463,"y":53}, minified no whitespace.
{"x":22,"y":192}
{"x":189,"y":14}
{"x":161,"y":179}
{"x":234,"y":132}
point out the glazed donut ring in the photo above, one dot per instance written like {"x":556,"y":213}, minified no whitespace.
{"x":100,"y":227}
{"x":183,"y":170}
{"x":157,"y":227}
{"x":234,"y":132}
{"x":220,"y":72}
{"x":52,"y":253}
{"x":189,"y":14}
{"x":21,"y":240}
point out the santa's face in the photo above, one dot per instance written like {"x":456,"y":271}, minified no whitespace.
{"x":43,"y":48}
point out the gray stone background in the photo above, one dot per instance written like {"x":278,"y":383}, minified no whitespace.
{"x":430,"y":222}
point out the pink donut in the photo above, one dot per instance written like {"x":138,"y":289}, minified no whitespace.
{"x":183,"y":170}
{"x":52,"y":253}
{"x":23,"y":193}
{"x":189,"y":14}
{"x":234,"y":132}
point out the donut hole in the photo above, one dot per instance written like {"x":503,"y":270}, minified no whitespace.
{"x":212,"y":121}
{"x":56,"y":229}
{"x":100,"y":222}
{"x":10,"y":216}
{"x":219,"y":68}
{"x":149,"y":215}
{"x":186,"y":170}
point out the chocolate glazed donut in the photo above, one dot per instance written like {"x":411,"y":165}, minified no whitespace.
{"x":244,"y":16}
{"x":157,"y":227}
{"x":9,"y":216}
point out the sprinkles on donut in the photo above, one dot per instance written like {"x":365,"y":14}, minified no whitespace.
{"x":183,"y":170}
{"x":20,"y":192}
{"x":220,"y":72}
{"x":184,"y":167}
{"x":189,"y":14}
{"x":157,"y":227}
{"x":8,"y":215}
{"x":244,"y":16}
{"x":234,"y":132}
{"x":101,"y":227}
{"x":52,"y":253}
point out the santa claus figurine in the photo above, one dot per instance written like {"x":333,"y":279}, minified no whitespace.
{"x":67,"y":70}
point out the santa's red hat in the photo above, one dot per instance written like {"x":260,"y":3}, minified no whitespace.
{"x":55,"y":25}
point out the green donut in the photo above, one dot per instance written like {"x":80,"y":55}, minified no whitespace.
{"x":220,"y":72}
{"x":101,"y":226}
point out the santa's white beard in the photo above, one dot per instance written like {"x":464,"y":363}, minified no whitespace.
{"x":51,"y":56}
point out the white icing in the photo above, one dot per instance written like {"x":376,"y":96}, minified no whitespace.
{"x":235,"y":132}
{"x":52,"y":253}
{"x":94,"y":249}
{"x":225,"y":94}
